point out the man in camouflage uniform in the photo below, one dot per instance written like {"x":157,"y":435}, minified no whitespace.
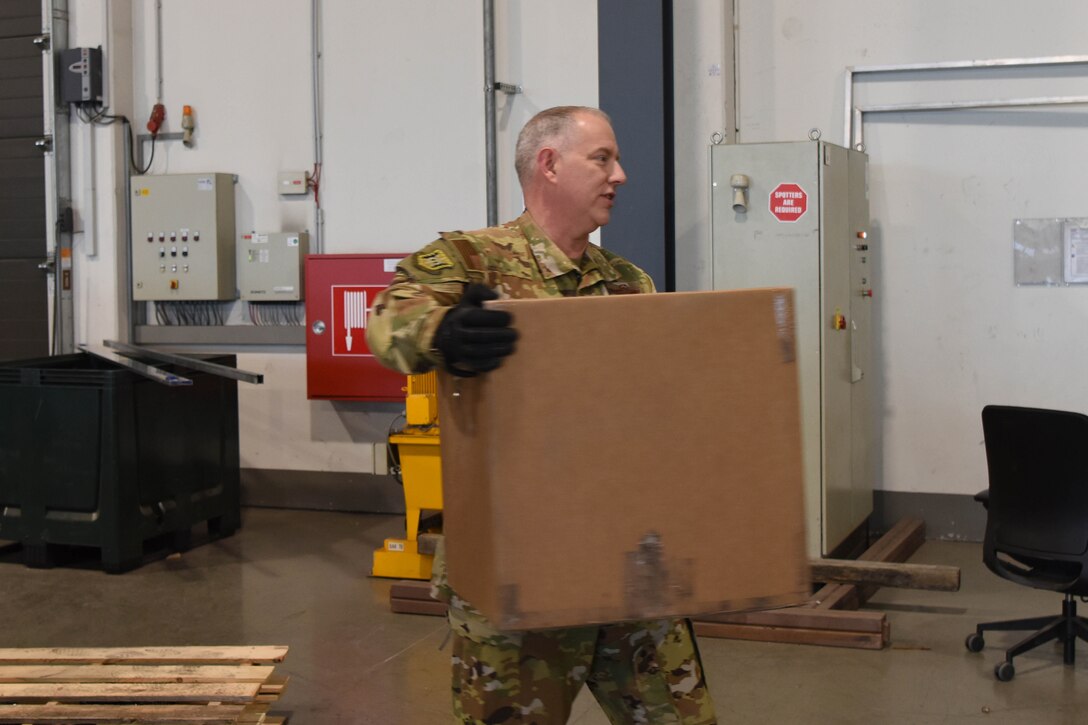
{"x":432,"y":315}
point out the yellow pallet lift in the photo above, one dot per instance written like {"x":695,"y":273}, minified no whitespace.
{"x":421,"y":476}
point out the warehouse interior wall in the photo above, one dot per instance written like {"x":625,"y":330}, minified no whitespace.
{"x":953,"y":331}
{"x":403,"y":147}
{"x":404,"y":157}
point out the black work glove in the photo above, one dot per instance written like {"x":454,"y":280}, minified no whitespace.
{"x":472,"y":339}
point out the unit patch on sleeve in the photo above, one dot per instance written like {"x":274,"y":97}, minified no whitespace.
{"x":434,"y":260}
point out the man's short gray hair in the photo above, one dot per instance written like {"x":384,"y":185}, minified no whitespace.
{"x":550,"y":127}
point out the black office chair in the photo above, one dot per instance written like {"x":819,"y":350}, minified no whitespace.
{"x":1036,"y":519}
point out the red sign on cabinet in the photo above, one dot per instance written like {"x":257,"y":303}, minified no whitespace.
{"x":340,"y":292}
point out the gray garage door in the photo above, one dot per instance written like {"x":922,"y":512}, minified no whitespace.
{"x":23,"y":304}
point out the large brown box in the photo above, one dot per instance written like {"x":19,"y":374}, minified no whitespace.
{"x":639,"y":456}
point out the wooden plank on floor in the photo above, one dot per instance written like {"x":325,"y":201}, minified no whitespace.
{"x":417,"y":606}
{"x":792,"y":635}
{"x":135,"y":673}
{"x":897,"y":545}
{"x":128,"y":691}
{"x":145,"y":655}
{"x":255,"y":714}
{"x":273,"y":689}
{"x":929,"y":577}
{"x":411,"y":590}
{"x":835,"y":619}
{"x":118,"y":714}
{"x":274,"y":685}
{"x":427,"y":543}
{"x":835,"y":596}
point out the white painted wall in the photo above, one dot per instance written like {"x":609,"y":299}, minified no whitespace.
{"x":404,"y":158}
{"x":954,"y":333}
{"x":703,"y":91}
{"x":550,"y":50}
{"x":403,"y":150}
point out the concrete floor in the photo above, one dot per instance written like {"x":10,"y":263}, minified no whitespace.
{"x":299,"y":578}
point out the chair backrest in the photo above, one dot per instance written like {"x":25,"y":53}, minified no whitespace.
{"x":1038,"y":469}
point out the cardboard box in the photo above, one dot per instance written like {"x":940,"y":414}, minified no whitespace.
{"x":638,"y":457}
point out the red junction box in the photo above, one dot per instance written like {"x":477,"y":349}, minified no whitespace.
{"x":340,"y":291}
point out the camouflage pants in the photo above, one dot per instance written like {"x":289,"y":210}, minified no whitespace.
{"x":643,"y":672}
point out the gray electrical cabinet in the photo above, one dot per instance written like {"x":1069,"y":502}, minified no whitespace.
{"x":270,"y":266}
{"x":183,"y":237}
{"x":797,"y":215}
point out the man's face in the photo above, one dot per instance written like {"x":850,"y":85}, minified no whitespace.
{"x":588,"y":171}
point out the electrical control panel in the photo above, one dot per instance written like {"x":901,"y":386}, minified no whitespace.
{"x":796,"y":214}
{"x":183,"y":237}
{"x":270,"y":266}
{"x":81,"y":75}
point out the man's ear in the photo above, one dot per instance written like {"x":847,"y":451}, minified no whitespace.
{"x":546,"y":160}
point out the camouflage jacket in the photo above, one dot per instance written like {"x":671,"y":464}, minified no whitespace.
{"x":516,"y":260}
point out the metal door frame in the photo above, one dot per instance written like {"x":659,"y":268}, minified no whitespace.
{"x":58,"y":180}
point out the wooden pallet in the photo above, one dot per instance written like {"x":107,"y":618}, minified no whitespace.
{"x":830,"y":617}
{"x":178,"y":685}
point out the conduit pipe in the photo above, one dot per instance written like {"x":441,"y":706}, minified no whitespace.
{"x":490,"y":87}
{"x":489,"y":114}
{"x":315,"y":46}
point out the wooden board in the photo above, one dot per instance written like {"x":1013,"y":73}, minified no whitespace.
{"x":411,"y":590}
{"x":887,"y":574}
{"x":134,"y":673}
{"x":798,"y":617}
{"x":417,"y":606}
{"x":835,"y":596}
{"x":110,"y":714}
{"x":898,"y":544}
{"x":128,"y":691}
{"x":179,"y":685}
{"x":793,"y":635}
{"x":144,"y":655}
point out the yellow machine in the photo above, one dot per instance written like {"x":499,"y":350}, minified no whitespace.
{"x":421,"y":476}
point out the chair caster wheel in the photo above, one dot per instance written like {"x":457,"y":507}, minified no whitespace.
{"x":974,"y":642}
{"x":1004,"y":671}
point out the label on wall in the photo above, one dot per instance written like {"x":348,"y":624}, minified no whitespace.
{"x":789,"y":202}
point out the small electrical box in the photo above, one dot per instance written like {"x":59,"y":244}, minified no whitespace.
{"x":293,"y":182}
{"x":183,"y":237}
{"x":270,"y":266}
{"x":81,"y":75}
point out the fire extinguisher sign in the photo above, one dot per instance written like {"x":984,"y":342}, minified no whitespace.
{"x":350,"y":311}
